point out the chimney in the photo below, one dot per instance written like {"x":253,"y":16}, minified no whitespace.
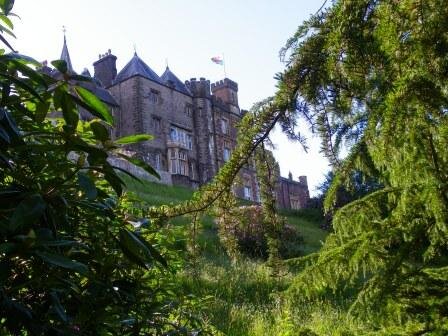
{"x":106,"y":68}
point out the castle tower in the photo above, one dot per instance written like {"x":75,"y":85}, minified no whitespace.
{"x":227,"y":91}
{"x":106,"y":68}
{"x":204,"y":120}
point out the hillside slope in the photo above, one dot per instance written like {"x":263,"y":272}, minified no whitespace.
{"x":240,"y":298}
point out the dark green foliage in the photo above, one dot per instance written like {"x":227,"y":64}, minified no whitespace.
{"x":373,"y":75}
{"x":246,"y":227}
{"x":267,"y":176}
{"x":76,"y":256}
{"x":355,"y":187}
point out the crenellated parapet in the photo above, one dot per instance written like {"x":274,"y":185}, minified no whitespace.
{"x":199,"y":88}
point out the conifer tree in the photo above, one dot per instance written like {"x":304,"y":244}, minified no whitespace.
{"x":373,"y":76}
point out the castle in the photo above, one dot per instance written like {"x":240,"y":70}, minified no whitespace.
{"x":194,"y":124}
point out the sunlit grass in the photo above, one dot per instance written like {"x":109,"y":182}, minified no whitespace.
{"x":245,"y":298}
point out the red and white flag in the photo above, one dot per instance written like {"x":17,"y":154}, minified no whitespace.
{"x":217,"y":60}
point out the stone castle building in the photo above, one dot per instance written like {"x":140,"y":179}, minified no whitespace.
{"x":194,"y":124}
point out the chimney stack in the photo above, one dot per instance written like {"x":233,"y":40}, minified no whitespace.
{"x":106,"y":68}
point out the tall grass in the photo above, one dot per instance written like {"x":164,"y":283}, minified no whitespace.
{"x":243,"y":298}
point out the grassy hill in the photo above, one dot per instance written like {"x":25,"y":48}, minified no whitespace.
{"x":241,"y":298}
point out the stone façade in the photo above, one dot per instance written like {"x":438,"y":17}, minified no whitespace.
{"x":194,"y":124}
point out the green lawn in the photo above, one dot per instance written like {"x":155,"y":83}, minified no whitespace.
{"x":243,"y":297}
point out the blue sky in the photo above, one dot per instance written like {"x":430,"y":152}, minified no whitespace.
{"x":186,"y":34}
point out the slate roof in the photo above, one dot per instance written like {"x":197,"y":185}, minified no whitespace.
{"x":170,"y":79}
{"x":65,"y":56}
{"x":136,"y":67}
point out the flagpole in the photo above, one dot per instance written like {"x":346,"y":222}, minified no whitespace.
{"x":224,"y":64}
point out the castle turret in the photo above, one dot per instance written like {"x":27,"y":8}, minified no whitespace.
{"x":106,"y":68}
{"x":204,"y":120}
{"x":227,"y":91}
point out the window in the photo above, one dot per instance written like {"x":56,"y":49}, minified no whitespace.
{"x":183,"y":165}
{"x":154,"y":96}
{"x":295,"y":204}
{"x":189,"y":110}
{"x":189,"y":141}
{"x":157,"y":160}
{"x":173,"y":161}
{"x":226,"y":154}
{"x":247,"y":192}
{"x":227,"y":151}
{"x":181,"y":136}
{"x":178,"y":161}
{"x":156,"y":124}
{"x":224,"y":126}
{"x":173,"y":134}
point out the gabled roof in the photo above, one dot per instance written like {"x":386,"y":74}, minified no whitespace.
{"x":65,"y":56}
{"x":136,"y":67}
{"x":170,"y":79}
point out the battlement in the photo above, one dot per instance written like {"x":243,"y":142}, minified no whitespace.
{"x":199,"y":88}
{"x":225,"y":83}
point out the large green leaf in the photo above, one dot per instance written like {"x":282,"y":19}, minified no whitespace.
{"x":10,"y":127}
{"x":114,"y":180}
{"x":20,"y":65}
{"x":6,"y":6}
{"x":131,"y":139}
{"x":64,"y":262}
{"x":6,"y":30}
{"x":63,"y":101}
{"x":14,"y":56}
{"x":100,"y":131}
{"x":28,"y":211}
{"x":153,"y":251}
{"x":5,"y":41}
{"x":58,"y":308}
{"x":86,"y":184}
{"x":94,"y":105}
{"x":60,"y":65}
{"x":42,"y":109}
{"x":4,"y":135}
{"x":133,"y":245}
{"x":7,"y":21}
{"x":21,"y":83}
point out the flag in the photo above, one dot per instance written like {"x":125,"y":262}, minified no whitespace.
{"x":217,"y":60}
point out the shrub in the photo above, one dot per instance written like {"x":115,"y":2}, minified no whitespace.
{"x":75,"y":255}
{"x":247,"y":227}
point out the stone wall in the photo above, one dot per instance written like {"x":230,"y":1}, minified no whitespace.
{"x":203,"y":117}
{"x":165,"y":177}
{"x":211,"y":104}
{"x":151,"y":108}
{"x":292,"y":194}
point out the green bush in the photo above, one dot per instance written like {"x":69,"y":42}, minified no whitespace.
{"x":246,"y":225}
{"x":76,"y":256}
